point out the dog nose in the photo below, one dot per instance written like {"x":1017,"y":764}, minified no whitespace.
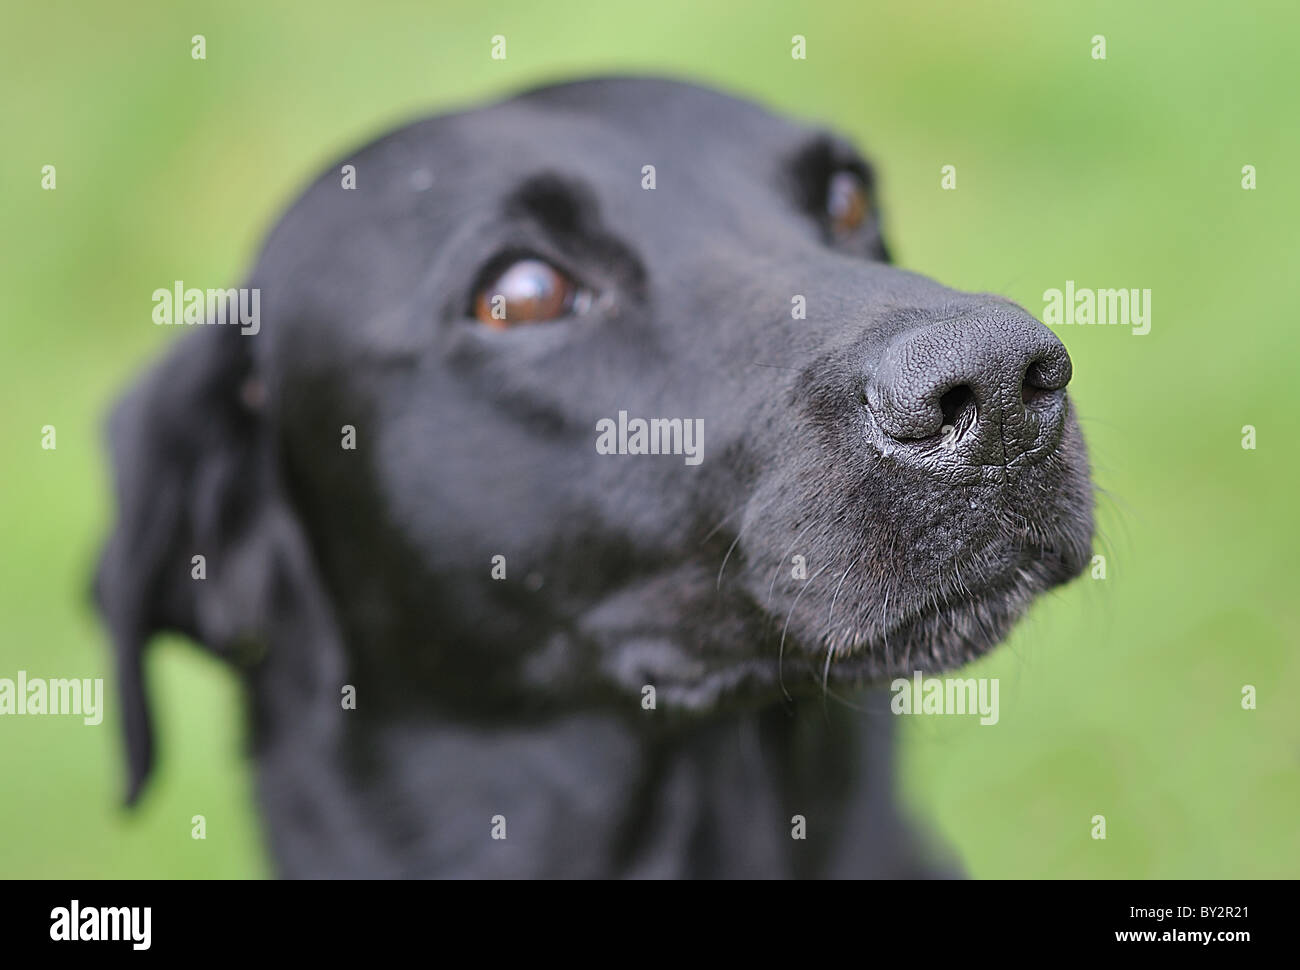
{"x":983,"y":390}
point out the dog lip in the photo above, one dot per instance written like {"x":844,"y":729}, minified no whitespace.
{"x":1004,"y":591}
{"x":997,"y":591}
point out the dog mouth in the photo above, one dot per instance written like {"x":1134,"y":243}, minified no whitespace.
{"x":868,"y":634}
{"x":953,"y":629}
{"x":938,"y":628}
{"x":801,"y":651}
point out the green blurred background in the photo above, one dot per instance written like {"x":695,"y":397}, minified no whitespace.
{"x":1119,"y":697}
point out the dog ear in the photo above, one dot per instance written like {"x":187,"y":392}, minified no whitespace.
{"x":188,"y":460}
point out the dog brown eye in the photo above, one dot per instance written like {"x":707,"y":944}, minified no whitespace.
{"x":846,"y":203}
{"x":527,"y":291}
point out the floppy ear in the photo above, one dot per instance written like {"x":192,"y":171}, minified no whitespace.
{"x":191,"y":476}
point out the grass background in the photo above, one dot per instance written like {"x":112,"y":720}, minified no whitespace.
{"x":1119,"y":697}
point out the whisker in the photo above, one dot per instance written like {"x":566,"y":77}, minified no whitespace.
{"x":780,"y":654}
{"x":840,"y":586}
{"x":714,"y":530}
{"x":730,"y":549}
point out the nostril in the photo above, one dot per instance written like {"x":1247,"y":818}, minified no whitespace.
{"x":1041,"y":384}
{"x":1031,"y":396}
{"x":956,"y":403}
{"x":1049,"y":372}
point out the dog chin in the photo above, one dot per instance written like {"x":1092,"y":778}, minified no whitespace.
{"x":936,"y":630}
{"x":946,"y":627}
{"x":801,"y":666}
{"x":954,"y":634}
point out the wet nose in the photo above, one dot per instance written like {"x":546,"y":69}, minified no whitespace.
{"x":984,"y":390}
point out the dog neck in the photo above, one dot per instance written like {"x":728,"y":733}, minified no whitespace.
{"x":797,"y":789}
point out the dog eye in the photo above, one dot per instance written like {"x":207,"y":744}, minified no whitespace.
{"x":528,"y":291}
{"x":847,"y":203}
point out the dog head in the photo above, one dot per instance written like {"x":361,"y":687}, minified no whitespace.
{"x":605,"y":386}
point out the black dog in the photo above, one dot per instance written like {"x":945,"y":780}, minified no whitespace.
{"x":872,"y":475}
